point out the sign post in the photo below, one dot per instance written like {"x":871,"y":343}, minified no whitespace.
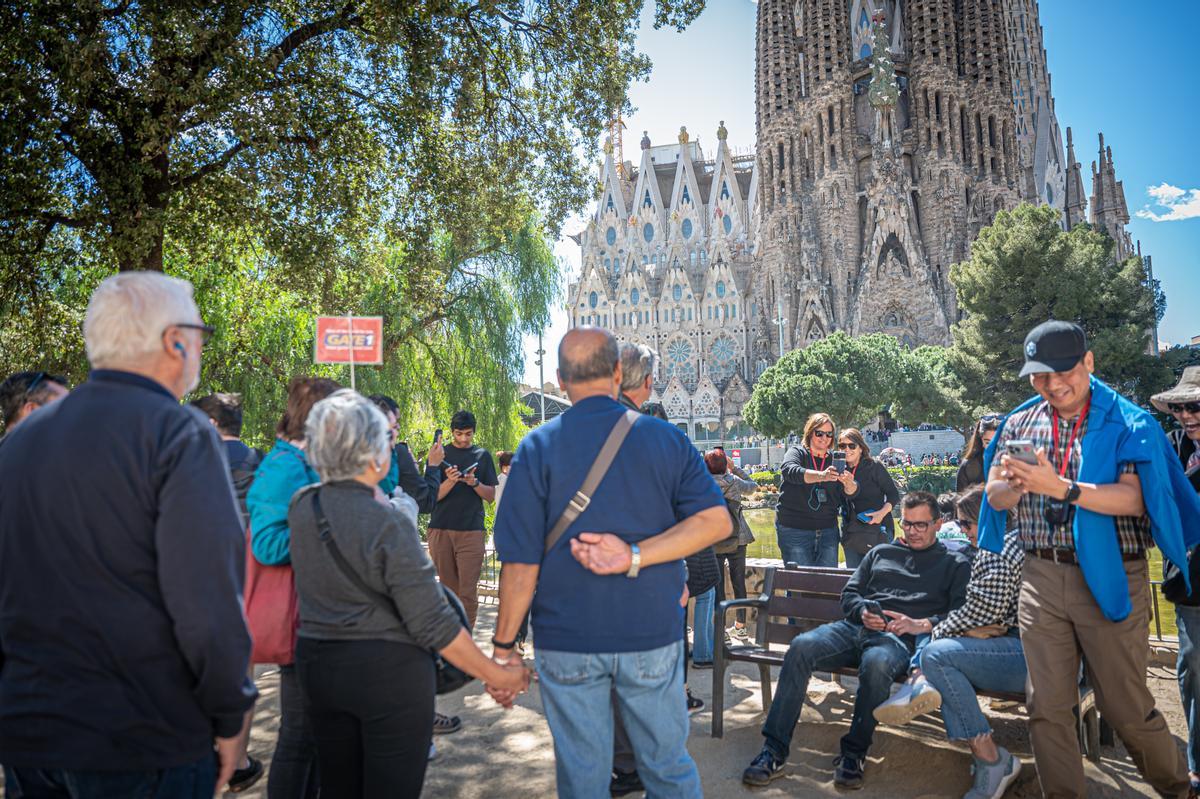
{"x":349,"y":339}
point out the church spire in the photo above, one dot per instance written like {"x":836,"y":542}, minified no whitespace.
{"x":1109,"y":212}
{"x":1075,"y":204}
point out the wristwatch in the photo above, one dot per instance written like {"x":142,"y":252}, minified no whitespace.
{"x":1073,"y":492}
{"x":635,"y":561}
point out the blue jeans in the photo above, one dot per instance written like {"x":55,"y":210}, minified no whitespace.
{"x":1188,"y":666}
{"x":808,"y":547}
{"x":578,"y":690}
{"x":702,"y":627}
{"x":958,"y":667}
{"x":880,"y":658}
{"x":195,"y":780}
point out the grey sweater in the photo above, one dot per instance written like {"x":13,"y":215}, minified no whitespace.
{"x":383,"y":547}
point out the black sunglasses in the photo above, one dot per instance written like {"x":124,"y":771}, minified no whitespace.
{"x":206,"y":331}
{"x":965,"y":523}
{"x":822,"y":434}
{"x":1184,"y":407}
{"x":848,"y":445}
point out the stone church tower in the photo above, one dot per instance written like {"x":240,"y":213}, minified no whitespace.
{"x":888,"y":133}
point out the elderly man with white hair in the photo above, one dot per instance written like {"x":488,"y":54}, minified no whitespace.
{"x":124,"y":649}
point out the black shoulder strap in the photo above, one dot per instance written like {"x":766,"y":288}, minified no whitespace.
{"x":325,"y":533}
{"x":583,"y":497}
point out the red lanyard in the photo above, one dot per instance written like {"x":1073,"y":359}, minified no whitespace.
{"x":1066,"y":459}
{"x":824,"y":460}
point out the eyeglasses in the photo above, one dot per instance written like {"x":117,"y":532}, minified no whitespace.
{"x":206,"y":331}
{"x":920,"y":527}
{"x":822,"y":434}
{"x":966,"y":524}
{"x":1184,"y":407}
{"x":848,"y":445}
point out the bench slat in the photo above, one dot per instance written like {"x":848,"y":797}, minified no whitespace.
{"x":812,"y":582}
{"x":806,"y":607}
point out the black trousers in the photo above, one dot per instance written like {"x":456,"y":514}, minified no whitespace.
{"x":736,"y":562}
{"x":371,"y":705}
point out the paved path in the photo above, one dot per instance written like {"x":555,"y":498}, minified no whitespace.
{"x":510,"y":753}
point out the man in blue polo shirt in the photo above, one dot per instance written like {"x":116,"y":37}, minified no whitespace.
{"x":607,"y":617}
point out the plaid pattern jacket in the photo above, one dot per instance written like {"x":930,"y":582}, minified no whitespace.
{"x":992,"y":591}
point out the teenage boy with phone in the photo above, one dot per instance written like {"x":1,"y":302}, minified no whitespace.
{"x":456,"y":534}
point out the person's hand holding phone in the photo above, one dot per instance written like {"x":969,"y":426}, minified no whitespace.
{"x":452,"y":473}
{"x":1040,"y":478}
{"x":468,"y":476}
{"x":830,"y":475}
{"x":437,"y":453}
{"x":872,"y":617}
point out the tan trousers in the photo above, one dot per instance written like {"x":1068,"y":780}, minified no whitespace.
{"x":458,"y":557}
{"x":1059,"y":620}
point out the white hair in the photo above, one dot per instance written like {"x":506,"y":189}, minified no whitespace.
{"x":637,"y":363}
{"x":346,"y":433}
{"x":128,"y":313}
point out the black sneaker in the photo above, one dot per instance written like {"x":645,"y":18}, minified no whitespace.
{"x":625,"y":783}
{"x":245,"y":778}
{"x":849,"y":772}
{"x":708,"y":664}
{"x":694,"y":703}
{"x":766,"y":767}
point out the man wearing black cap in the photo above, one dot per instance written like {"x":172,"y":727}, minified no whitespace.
{"x":1082,"y":520}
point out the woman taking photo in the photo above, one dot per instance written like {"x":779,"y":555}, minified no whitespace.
{"x":970,"y":471}
{"x":366,"y":669}
{"x":731,"y":553}
{"x":810,"y":495}
{"x":867,"y":518}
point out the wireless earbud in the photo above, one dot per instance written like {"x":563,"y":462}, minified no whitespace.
{"x":182,"y":351}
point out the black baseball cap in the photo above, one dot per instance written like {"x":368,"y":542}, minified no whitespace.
{"x":1054,"y":346}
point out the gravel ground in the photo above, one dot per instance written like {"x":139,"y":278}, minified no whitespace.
{"x":510,"y":753}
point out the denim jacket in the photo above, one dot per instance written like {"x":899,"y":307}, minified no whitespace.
{"x":1118,"y":432}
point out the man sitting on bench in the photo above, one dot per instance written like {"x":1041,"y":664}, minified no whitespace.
{"x":898,"y":591}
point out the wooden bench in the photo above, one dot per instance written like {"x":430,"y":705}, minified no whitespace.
{"x":795,"y":600}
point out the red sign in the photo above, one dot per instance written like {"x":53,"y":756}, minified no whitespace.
{"x":737,"y":453}
{"x":335,"y":333}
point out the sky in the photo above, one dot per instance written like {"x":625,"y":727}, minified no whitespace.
{"x":1111,"y":72}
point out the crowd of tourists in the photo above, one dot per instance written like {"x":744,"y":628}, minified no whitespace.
{"x":140,"y":585}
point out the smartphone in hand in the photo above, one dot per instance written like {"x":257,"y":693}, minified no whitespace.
{"x":872,"y":607}
{"x":471,"y":469}
{"x":839,"y":461}
{"x":1021,"y":449}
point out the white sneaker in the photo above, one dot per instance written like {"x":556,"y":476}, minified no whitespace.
{"x":915,"y":698}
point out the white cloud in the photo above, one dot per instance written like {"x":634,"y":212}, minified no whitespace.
{"x":1178,"y":203}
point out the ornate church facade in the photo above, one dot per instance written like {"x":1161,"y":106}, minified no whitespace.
{"x":888,"y":133}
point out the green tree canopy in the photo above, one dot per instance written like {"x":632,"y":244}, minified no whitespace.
{"x":849,"y":378}
{"x":1023,"y":270}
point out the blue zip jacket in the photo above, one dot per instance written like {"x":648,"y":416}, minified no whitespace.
{"x":1118,"y":432}
{"x":283,"y":472}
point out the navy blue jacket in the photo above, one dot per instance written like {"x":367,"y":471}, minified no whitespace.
{"x":122,"y":640}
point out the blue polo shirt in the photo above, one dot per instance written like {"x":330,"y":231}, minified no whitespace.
{"x":657,"y":480}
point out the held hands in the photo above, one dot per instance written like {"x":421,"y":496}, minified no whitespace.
{"x":1029,"y":479}
{"x":873,"y":622}
{"x":511,"y":679}
{"x":903,"y":625}
{"x":602,"y":553}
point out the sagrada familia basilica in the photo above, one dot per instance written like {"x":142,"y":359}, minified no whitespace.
{"x":888,"y":133}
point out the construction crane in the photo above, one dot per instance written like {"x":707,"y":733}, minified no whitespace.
{"x":615,"y":127}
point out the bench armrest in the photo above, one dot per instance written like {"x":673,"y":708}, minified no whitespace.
{"x":733,"y":604}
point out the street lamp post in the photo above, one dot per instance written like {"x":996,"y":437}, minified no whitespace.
{"x":541,"y":353}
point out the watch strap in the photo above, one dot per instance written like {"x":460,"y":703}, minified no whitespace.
{"x":635,"y":563}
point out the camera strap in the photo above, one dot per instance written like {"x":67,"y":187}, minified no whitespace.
{"x":1065,"y":460}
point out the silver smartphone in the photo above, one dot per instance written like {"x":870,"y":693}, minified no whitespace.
{"x":1021,"y":449}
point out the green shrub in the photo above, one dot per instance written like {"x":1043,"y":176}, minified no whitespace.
{"x":766,"y":478}
{"x":934,"y":479}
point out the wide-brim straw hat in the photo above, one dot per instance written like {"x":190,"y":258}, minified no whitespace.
{"x":1188,"y":390}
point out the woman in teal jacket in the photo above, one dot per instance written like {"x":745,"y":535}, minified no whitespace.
{"x":283,"y":472}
